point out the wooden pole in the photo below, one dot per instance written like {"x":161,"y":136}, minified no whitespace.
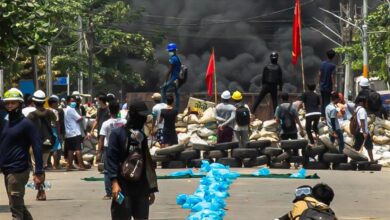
{"x":215,"y":80}
{"x":303,"y":69}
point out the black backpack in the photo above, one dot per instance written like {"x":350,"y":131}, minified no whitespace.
{"x":288,"y":119}
{"x":183,"y":74}
{"x":374,"y":101}
{"x":242,"y":116}
{"x":316,"y":213}
{"x":45,"y":130}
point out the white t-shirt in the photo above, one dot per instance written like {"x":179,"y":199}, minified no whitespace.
{"x":71,"y":118}
{"x":362,"y":115}
{"x":156,"y":112}
{"x":28,"y":110}
{"x":107,"y":127}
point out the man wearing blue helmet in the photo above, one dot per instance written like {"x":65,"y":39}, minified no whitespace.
{"x":172,"y":75}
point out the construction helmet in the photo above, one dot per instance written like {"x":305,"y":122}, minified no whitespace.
{"x":237,"y":96}
{"x":364,"y":82}
{"x":226,"y":95}
{"x":39,"y":96}
{"x":171,"y":47}
{"x":13,"y":94}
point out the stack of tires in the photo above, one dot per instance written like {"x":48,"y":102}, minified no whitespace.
{"x":358,"y":162}
{"x":175,"y":156}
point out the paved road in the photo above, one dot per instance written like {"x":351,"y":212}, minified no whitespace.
{"x":359,"y":195}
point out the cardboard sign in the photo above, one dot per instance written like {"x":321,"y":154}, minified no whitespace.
{"x":197,"y":105}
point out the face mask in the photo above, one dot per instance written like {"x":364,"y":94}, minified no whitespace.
{"x":73,"y":104}
{"x":171,"y":53}
{"x":15,"y":114}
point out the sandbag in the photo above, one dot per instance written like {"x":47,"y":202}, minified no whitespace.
{"x":256,"y":125}
{"x":183,"y":138}
{"x":181,"y":130}
{"x":345,"y":128}
{"x":381,"y":140}
{"x":348,"y":141}
{"x":191,"y":119}
{"x":180,"y":117}
{"x":208,"y":116}
{"x":205,"y":132}
{"x":263,"y":133}
{"x":255,"y":135}
{"x":180,"y":124}
{"x":193,"y":127}
{"x":195,"y":139}
{"x":383,"y":123}
{"x":270,"y":125}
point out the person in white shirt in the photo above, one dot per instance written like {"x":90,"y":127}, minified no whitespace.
{"x":363,"y":137}
{"x":30,"y":106}
{"x":73,"y":137}
{"x":157,"y":126}
{"x":104,"y":135}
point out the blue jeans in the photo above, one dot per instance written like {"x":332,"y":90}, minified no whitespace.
{"x":341,"y":139}
{"x":107,"y":181}
{"x":168,"y":85}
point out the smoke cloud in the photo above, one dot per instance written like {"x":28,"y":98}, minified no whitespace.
{"x":243,"y":34}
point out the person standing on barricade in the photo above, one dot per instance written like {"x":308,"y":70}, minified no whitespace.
{"x":225,"y":118}
{"x":172,"y":76}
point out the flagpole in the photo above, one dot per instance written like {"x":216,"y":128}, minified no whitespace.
{"x":215,"y":80}
{"x":300,"y":40}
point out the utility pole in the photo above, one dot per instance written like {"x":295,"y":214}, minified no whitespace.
{"x":365,"y":39}
{"x":49,"y":80}
{"x":346,"y":32}
{"x":35,"y":71}
{"x":1,"y":81}
{"x":80,"y":51}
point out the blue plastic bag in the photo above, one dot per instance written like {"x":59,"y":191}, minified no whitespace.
{"x":205,"y":167}
{"x":300,"y":174}
{"x":181,"y":173}
{"x":262,"y":172}
{"x":181,"y":199}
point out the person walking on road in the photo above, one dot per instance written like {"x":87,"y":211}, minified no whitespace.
{"x":125,"y":141}
{"x":225,"y":118}
{"x":104,"y":135}
{"x":172,"y":76}
{"x":272,"y":78}
{"x":327,"y":80}
{"x":16,"y":137}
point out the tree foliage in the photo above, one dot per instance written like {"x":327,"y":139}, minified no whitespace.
{"x":379,"y":43}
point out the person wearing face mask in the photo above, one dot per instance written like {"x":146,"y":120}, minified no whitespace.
{"x":272,"y":77}
{"x":138,"y":194}
{"x":171,"y":80}
{"x":16,"y":137}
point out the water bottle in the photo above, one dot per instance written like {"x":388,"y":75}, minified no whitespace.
{"x":46,"y":186}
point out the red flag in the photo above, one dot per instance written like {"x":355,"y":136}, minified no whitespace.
{"x":210,"y":74}
{"x":296,"y":43}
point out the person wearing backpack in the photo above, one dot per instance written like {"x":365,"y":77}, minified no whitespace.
{"x":362,"y":136}
{"x":335,"y":132}
{"x":287,"y":117}
{"x":137,"y":194}
{"x":172,"y":75}
{"x":225,"y":118}
{"x":44,"y":121}
{"x":312,"y":205}
{"x":242,"y":118}
{"x":374,"y":101}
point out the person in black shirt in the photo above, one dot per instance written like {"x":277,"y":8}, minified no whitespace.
{"x":327,"y":80}
{"x":312,"y":103}
{"x":103,"y":113}
{"x":169,"y":116}
{"x":272,"y":77}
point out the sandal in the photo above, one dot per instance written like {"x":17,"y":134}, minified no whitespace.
{"x":41,"y":196}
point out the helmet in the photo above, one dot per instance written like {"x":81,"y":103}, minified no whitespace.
{"x":237,"y":96}
{"x":156,"y":96}
{"x":13,"y":94}
{"x":75,"y":93}
{"x":226,"y":95}
{"x":274,"y":56}
{"x":110,"y":95}
{"x":39,"y":96}
{"x":364,"y":82}
{"x":54,"y":98}
{"x":171,"y":47}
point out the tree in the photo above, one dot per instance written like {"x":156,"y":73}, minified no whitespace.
{"x":379,"y":43}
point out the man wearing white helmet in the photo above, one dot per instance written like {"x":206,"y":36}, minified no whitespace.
{"x":225,"y":118}
{"x":44,"y":121}
{"x":18,"y":135}
{"x":374,"y":101}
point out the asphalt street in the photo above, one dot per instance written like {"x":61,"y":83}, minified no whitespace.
{"x":359,"y":195}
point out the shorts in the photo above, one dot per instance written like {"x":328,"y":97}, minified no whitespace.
{"x":359,"y":140}
{"x":170,"y":138}
{"x":73,"y":143}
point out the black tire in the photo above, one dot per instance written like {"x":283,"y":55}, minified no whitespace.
{"x":344,"y":166}
{"x":249,"y":162}
{"x":226,"y":146}
{"x":259,"y":144}
{"x":161,"y":158}
{"x":217,"y":154}
{"x":334,"y":158}
{"x":201,"y":147}
{"x":177,"y":148}
{"x":282,"y":165}
{"x":272,"y":151}
{"x":244,"y":153}
{"x":375,"y":167}
{"x":281,"y":157}
{"x":196,"y":163}
{"x":328,"y":144}
{"x":174,"y":164}
{"x":189,"y":155}
{"x":293,"y":144}
{"x":314,"y":151}
{"x":297,"y":159}
{"x":316,"y":166}
{"x":354,"y":155}
{"x":261,"y":160}
{"x":230,"y":161}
